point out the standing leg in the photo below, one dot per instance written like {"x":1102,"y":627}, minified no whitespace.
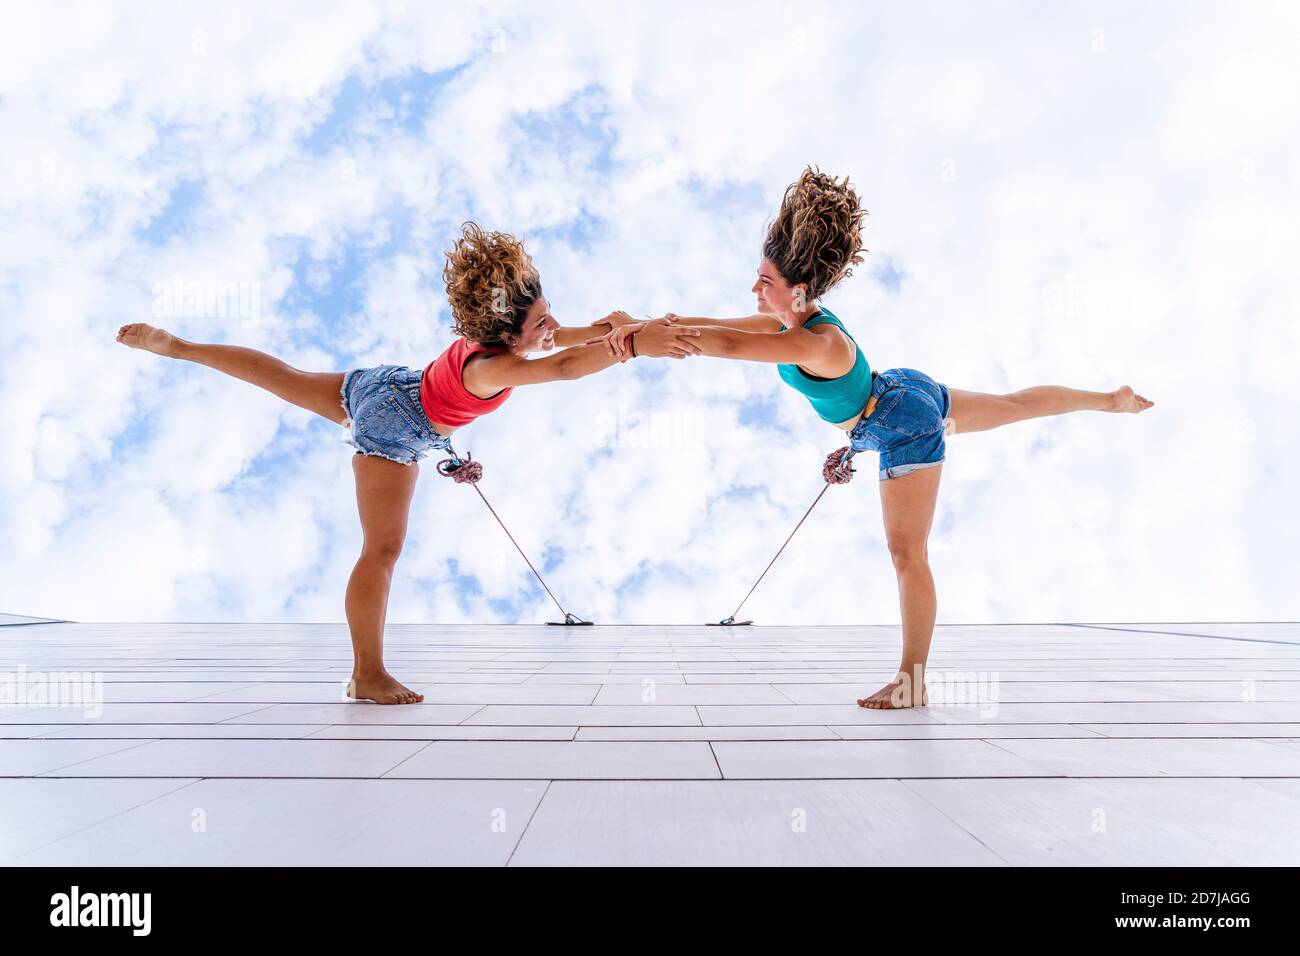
{"x":315,"y":391}
{"x":980,"y":411}
{"x":908,"y":504}
{"x":384,"y":491}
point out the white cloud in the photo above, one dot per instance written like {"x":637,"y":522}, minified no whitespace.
{"x":1066,"y":205}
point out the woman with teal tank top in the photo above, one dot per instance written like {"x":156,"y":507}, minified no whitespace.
{"x":901,"y":413}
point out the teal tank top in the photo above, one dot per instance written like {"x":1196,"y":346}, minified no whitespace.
{"x":834,"y":399}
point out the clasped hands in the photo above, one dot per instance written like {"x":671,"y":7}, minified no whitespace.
{"x":656,"y":338}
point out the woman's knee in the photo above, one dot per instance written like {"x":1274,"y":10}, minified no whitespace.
{"x":908,"y":555}
{"x":384,"y":551}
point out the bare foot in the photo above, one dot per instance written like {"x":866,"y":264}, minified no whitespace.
{"x":382,"y":688}
{"x":895,"y":695}
{"x":1124,"y":399}
{"x":138,"y":335}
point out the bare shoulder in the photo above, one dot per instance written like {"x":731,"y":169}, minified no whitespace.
{"x":485,"y":373}
{"x":837,"y":352}
{"x":832,"y":333}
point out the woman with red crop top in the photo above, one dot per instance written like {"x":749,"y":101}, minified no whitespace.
{"x":396,"y":415}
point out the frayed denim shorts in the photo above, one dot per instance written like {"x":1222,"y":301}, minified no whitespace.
{"x":908,"y":424}
{"x":385,"y":417}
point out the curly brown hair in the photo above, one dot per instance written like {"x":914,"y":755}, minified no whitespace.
{"x":817,"y":235}
{"x":491,"y":284}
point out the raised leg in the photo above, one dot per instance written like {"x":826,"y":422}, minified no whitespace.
{"x":981,"y":411}
{"x":315,"y":391}
{"x":384,"y":492}
{"x":907,"y":504}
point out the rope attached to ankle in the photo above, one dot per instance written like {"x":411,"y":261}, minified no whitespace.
{"x":463,"y":471}
{"x":467,"y":471}
{"x":838,"y":470}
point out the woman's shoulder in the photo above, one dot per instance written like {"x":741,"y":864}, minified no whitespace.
{"x":825,"y":317}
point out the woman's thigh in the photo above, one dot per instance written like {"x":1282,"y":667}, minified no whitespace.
{"x":907,"y":507}
{"x":980,"y":411}
{"x":384,"y":492}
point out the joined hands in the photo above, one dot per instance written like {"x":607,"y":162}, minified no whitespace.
{"x":655,"y":338}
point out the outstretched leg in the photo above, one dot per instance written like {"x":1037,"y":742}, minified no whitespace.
{"x":384,"y":491}
{"x":907,"y":504}
{"x":315,"y":391}
{"x":980,"y":411}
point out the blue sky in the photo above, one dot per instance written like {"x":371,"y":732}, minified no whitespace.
{"x":1032,"y":220}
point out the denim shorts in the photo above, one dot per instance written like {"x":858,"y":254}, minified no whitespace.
{"x":908,"y":424}
{"x":385,"y":417}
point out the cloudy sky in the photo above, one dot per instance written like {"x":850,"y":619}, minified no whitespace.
{"x":1083,"y":194}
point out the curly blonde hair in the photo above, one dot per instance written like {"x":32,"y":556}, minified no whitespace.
{"x":491,"y":284}
{"x":817,"y":236}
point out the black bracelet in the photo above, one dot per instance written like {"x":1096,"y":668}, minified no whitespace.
{"x":631,"y":341}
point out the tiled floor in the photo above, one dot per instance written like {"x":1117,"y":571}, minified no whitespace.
{"x":1128,"y":744}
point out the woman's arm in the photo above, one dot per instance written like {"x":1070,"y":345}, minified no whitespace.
{"x":488,"y":375}
{"x":750,"y":323}
{"x":567,"y":337}
{"x":821,"y":347}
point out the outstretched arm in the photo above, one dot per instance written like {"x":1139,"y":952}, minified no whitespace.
{"x":567,"y":337}
{"x":819,"y":347}
{"x":491,"y":374}
{"x":750,"y":323}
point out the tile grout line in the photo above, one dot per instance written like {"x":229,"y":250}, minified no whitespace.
{"x":906,"y":784}
{"x":982,"y":776}
{"x":524,"y":832}
{"x":717,"y":763}
{"x":415,"y":753}
{"x":77,"y":763}
{"x":90,"y":826}
{"x":1213,"y":637}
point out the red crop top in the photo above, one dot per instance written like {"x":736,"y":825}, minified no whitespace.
{"x":443,"y":394}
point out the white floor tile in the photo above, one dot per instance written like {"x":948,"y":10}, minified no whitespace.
{"x":183,"y":731}
{"x":691,"y":694}
{"x":28,"y":758}
{"x":869,"y":759}
{"x":244,"y":758}
{"x":306,"y":823}
{"x":441,"y":732}
{"x":707,"y":733}
{"x":50,"y":809}
{"x":361,"y":712}
{"x":157,"y":713}
{"x":1145,"y":757}
{"x":1194,"y":730}
{"x":562,"y":760}
{"x":1123,"y":822}
{"x":603,"y":716}
{"x":816,"y":714}
{"x":743,"y":823}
